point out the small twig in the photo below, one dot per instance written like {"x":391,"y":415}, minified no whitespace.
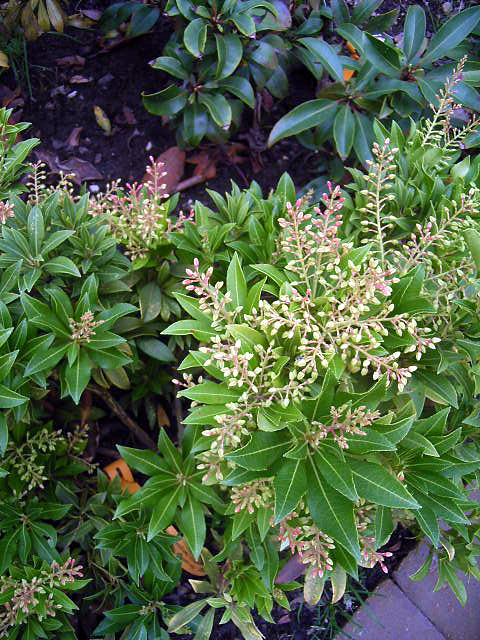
{"x":189,"y":182}
{"x":119,"y":411}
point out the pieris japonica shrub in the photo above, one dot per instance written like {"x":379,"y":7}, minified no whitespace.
{"x":334,"y":388}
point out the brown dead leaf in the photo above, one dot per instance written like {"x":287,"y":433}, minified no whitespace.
{"x":49,"y":158}
{"x":79,"y":80}
{"x":234,"y":151}
{"x":162,"y":419}
{"x":85,"y":407}
{"x":81,"y":170}
{"x":71,"y":61}
{"x":74,"y":137}
{"x":120,"y":468}
{"x":181,"y":549}
{"x":291,"y":570}
{"x":267,"y":100}
{"x":129,"y":115}
{"x":206,"y":165}
{"x":173,"y":160}
{"x":93,"y":14}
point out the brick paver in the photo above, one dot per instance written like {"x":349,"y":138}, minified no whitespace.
{"x":441,"y":607}
{"x":389,"y":615}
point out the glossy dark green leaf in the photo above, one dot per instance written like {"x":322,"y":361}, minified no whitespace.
{"x":414,"y":31}
{"x":344,"y":130}
{"x":332,"y":513}
{"x":306,"y":116}
{"x":218,"y":108}
{"x":326,"y":55}
{"x":195,"y":37}
{"x":378,"y":485}
{"x":229,"y":54}
{"x":168,"y":102}
{"x":452,"y":33}
{"x":192,"y":523}
{"x":290,"y":483}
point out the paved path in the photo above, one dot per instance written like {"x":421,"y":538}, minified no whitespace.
{"x":400,"y":609}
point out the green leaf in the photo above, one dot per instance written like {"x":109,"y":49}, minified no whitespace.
{"x":186,"y":615}
{"x":192,"y":523}
{"x":170,"y":65}
{"x":451,"y":34}
{"x":195,"y":37}
{"x":142,"y":21}
{"x":3,"y":434}
{"x":6,"y":363}
{"x":290,"y":483}
{"x":168,"y":102}
{"x":441,"y":507}
{"x":376,"y":484}
{"x":239,"y":87}
{"x":163,"y":512}
{"x":438,"y":388}
{"x":210,"y":393}
{"x":218,"y":107}
{"x":36,"y":229}
{"x":306,"y":116}
{"x":372,"y":441}
{"x":54,"y":240}
{"x":336,"y":473}
{"x":414,"y":31}
{"x":262,"y":450}
{"x":472,"y":236}
{"x":62,"y":266}
{"x":236,"y":282}
{"x":332,"y":513}
{"x":204,"y":629}
{"x":9,"y":398}
{"x":364,"y":137}
{"x":382,"y":56}
{"x":344,"y":130}
{"x":144,"y":460}
{"x":229,"y":54}
{"x":77,"y":376}
{"x":150,"y":299}
{"x":155,"y":349}
{"x":326,"y":55}
{"x":46,"y":359}
{"x":383,"y":525}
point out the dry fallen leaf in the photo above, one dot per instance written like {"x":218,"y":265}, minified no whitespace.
{"x":162,"y":419}
{"x":81,"y":170}
{"x":102,"y":119}
{"x":173,"y":160}
{"x":3,"y":60}
{"x":70,"y":61}
{"x":206,"y":165}
{"x":129,"y":115}
{"x":79,"y":80}
{"x":74,"y":137}
{"x":180,"y":548}
{"x":120,"y":468}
